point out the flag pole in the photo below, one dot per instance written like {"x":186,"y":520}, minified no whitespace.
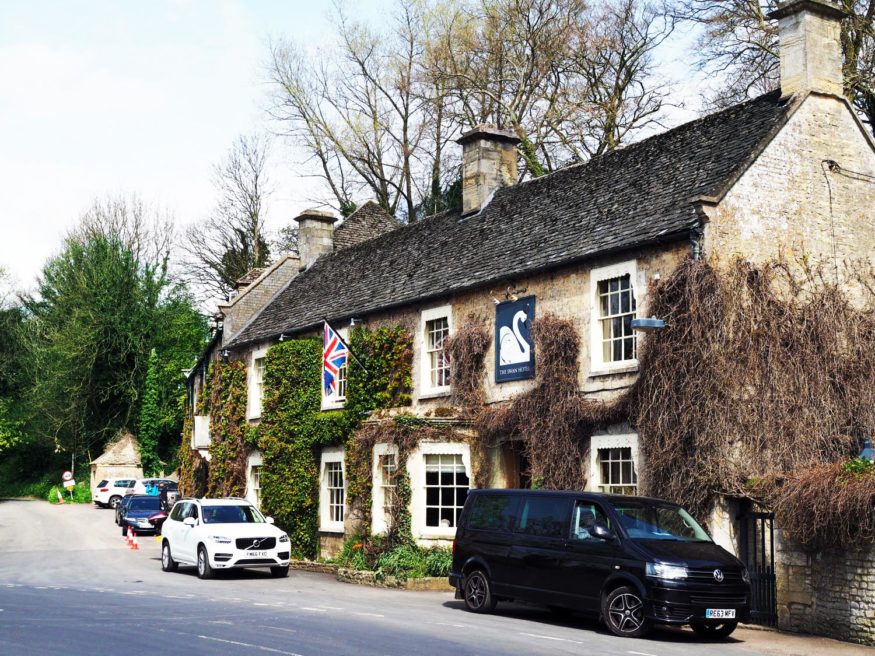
{"x":342,"y":341}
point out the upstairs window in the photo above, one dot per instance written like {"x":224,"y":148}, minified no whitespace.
{"x":256,"y":384}
{"x":614,"y":305}
{"x":435,"y":363}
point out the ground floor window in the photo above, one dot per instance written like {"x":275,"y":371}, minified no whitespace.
{"x":446,"y":488}
{"x":614,"y":464}
{"x":332,"y":494}
{"x":255,"y":483}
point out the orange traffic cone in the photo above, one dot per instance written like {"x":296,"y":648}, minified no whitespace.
{"x":60,"y":497}
{"x":134,"y":544}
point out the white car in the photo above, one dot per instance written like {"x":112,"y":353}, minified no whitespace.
{"x":214,"y":534}
{"x":110,"y":491}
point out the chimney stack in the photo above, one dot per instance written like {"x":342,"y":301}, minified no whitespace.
{"x":315,"y":235}
{"x":489,"y":162}
{"x":809,"y":35}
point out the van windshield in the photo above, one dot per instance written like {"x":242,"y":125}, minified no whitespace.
{"x":655,"y":522}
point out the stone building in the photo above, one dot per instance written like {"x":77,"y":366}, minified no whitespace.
{"x":788,"y":172}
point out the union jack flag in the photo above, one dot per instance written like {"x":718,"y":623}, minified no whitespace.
{"x":334,"y":354}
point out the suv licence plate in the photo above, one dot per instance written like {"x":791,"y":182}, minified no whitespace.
{"x":263,"y":554}
{"x":719,"y":613}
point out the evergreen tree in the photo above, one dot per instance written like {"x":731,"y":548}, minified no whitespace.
{"x":150,"y":419}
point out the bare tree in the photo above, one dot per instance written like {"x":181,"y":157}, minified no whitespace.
{"x":232,"y":241}
{"x":738,"y":42}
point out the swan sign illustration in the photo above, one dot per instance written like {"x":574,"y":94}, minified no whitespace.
{"x":514,"y":350}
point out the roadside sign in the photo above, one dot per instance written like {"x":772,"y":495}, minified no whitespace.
{"x":70,"y":483}
{"x":67,"y":476}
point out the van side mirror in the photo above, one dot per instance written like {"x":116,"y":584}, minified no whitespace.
{"x":603,"y":532}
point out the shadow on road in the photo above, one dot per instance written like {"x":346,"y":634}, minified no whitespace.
{"x":546,"y":617}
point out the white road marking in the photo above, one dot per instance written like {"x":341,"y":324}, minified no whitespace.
{"x":641,"y":653}
{"x":546,"y":637}
{"x":315,"y":610}
{"x":332,"y":607}
{"x":458,"y":626}
{"x":277,"y":628}
{"x":220,"y":622}
{"x":250,"y":646}
{"x":369,"y":614}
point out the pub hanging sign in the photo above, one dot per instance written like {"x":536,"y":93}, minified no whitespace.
{"x":514,"y":347}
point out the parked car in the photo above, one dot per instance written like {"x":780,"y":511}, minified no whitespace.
{"x":110,"y":491}
{"x":214,"y":534}
{"x":137,"y":512}
{"x":122,"y":507}
{"x":633,"y":561}
{"x":142,"y":486}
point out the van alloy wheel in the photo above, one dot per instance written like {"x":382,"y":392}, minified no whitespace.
{"x":478,"y":592}
{"x":623,"y":611}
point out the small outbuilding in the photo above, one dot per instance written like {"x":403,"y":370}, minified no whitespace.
{"x":120,"y":460}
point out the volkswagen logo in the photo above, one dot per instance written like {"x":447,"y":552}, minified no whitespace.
{"x":718,"y":576}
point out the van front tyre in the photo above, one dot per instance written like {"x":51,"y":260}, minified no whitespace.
{"x":477,"y":592}
{"x":714,"y":631}
{"x":623,"y":612}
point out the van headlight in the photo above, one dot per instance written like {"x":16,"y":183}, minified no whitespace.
{"x":745,"y":575}
{"x":663,"y":571}
{"x":284,"y":538}
{"x":220,"y":539}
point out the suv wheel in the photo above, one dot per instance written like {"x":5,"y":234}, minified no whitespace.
{"x":114,"y":501}
{"x":204,"y":570}
{"x":478,"y":592}
{"x":279,"y":572}
{"x":167,"y":562}
{"x":714,"y":630}
{"x":623,"y":612}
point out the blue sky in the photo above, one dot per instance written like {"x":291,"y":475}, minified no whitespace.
{"x":107,"y":97}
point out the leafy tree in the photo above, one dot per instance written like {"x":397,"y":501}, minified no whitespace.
{"x":149,"y":427}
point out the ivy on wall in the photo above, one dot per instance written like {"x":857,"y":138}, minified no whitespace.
{"x":227,"y":410}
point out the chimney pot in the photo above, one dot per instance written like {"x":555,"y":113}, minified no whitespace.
{"x":489,"y":162}
{"x":809,"y":35}
{"x":315,"y":235}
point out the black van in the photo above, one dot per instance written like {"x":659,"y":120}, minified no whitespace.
{"x":633,"y":561}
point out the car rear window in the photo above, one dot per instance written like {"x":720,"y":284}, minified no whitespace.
{"x":544,"y":516}
{"x":146,"y":503}
{"x":102,"y":483}
{"x":493,"y":512}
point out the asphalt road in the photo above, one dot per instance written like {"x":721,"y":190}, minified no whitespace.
{"x":69,"y":585}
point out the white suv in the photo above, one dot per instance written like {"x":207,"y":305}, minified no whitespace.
{"x":110,"y":491}
{"x":220,"y":534}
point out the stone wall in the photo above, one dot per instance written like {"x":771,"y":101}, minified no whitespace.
{"x":792,"y":200}
{"x":826,"y":593}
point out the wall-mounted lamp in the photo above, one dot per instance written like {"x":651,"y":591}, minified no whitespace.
{"x":283,"y":337}
{"x":225,"y":354}
{"x":353,"y":321}
{"x":513,"y":293}
{"x":646,"y":325}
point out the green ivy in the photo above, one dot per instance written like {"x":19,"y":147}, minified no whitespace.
{"x":228,"y":452}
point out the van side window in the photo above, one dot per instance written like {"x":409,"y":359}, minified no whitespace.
{"x":544,"y":516}
{"x":493,"y":512}
{"x":586,"y":515}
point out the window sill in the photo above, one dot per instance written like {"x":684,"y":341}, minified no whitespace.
{"x":626,"y":369}
{"x":437,"y":536}
{"x":325,"y":407}
{"x":435,"y":394}
{"x":332,"y":529}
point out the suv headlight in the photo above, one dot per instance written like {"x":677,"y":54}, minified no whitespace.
{"x":284,"y":538}
{"x":663,"y":571}
{"x":745,"y":575}
{"x":220,"y":539}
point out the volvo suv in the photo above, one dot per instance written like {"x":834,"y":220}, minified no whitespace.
{"x":218,"y":534}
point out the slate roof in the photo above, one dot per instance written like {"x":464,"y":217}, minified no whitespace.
{"x":628,"y":198}
{"x":367,"y":222}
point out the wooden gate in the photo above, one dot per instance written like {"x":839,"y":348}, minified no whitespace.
{"x":758,"y":554}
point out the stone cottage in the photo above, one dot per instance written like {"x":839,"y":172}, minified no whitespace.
{"x":789,"y":172}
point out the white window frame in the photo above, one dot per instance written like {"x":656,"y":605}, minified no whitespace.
{"x":602,"y":274}
{"x":343,"y":376}
{"x":255,"y":386}
{"x":253,"y":479}
{"x":379,"y":517}
{"x":426,"y":387}
{"x":331,"y":454}
{"x":416,"y":467}
{"x":603,"y":442}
